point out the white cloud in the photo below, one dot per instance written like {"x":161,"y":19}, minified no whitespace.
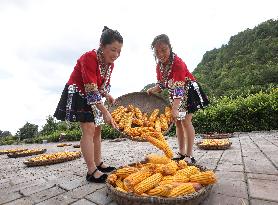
{"x":41,"y":41}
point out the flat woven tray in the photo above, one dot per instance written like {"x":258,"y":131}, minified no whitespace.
{"x":213,"y":147}
{"x":22,"y":154}
{"x":132,"y":199}
{"x":146,"y":103}
{"x":216,"y":135}
{"x":49,"y":162}
{"x":11,"y":151}
{"x":76,"y":146}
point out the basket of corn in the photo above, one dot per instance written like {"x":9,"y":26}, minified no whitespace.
{"x":26,"y":153}
{"x":160,"y":180}
{"x":216,"y":135}
{"x":214,"y":144}
{"x":52,"y":158}
{"x":137,"y":113}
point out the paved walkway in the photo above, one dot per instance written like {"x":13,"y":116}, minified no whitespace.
{"x":247,"y":173}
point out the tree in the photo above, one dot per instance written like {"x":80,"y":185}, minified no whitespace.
{"x":50,"y":126}
{"x":5,"y":133}
{"x":27,"y":131}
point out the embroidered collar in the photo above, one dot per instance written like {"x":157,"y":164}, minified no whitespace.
{"x":166,"y":70}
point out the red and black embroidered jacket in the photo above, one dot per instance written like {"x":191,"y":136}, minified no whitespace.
{"x":90,"y":78}
{"x":175,"y":78}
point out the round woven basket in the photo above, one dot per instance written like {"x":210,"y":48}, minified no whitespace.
{"x":49,"y":162}
{"x":22,"y":154}
{"x":213,"y":147}
{"x":132,"y":199}
{"x":146,"y":103}
{"x":11,"y":151}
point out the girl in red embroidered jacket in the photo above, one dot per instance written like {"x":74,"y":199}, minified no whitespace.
{"x":185,"y":95}
{"x":81,"y":100}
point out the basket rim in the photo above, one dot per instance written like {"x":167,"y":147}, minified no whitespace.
{"x":20,"y":154}
{"x":154,"y":199}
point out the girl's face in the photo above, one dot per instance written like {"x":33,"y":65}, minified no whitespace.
{"x":111,"y":51}
{"x":162,"y":52}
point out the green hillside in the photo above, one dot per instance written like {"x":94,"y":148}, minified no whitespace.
{"x":247,"y":64}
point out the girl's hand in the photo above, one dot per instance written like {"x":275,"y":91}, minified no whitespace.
{"x":150,"y":91}
{"x":110,"y":99}
{"x":109,"y":120}
{"x":175,"y":114}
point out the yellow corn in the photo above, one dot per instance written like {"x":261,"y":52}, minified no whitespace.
{"x":170,"y":168}
{"x":163,"y":145}
{"x":136,"y":178}
{"x":148,"y":183}
{"x":182,"y":190}
{"x":163,"y":122}
{"x":124,"y":172}
{"x":112,"y":178}
{"x":119,"y":183}
{"x":182,"y":164}
{"x":162,"y":190}
{"x":188,"y":171}
{"x":154,"y":115}
{"x":120,"y":189}
{"x":157,"y":159}
{"x":157,"y":125}
{"x":204,"y":178}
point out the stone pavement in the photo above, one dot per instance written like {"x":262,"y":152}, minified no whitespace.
{"x":247,"y":173}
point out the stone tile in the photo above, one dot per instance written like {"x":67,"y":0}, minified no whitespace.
{"x":22,"y":201}
{"x":263,"y":177}
{"x":27,"y":191}
{"x":73,"y":183}
{"x":99,"y":197}
{"x":262,"y":202}
{"x":84,"y":202}
{"x":263,"y":189}
{"x":9,"y":196}
{"x":46,"y":194}
{"x":220,"y":199}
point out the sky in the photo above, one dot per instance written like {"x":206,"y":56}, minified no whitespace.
{"x":40,"y":41}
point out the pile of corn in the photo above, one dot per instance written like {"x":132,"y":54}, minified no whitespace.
{"x":55,"y":156}
{"x":132,"y":122}
{"x":215,"y":142}
{"x":161,"y":176}
{"x":30,"y":151}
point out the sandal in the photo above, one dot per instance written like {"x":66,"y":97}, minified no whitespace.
{"x":185,"y":157}
{"x":106,"y":169}
{"x":181,"y":157}
{"x":92,"y":178}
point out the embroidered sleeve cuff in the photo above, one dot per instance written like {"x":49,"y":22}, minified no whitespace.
{"x":93,"y":98}
{"x":178,"y":92}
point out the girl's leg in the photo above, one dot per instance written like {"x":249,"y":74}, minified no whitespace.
{"x":189,"y":132}
{"x":87,"y":147}
{"x":181,"y":137}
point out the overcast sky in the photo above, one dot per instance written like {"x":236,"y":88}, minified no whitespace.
{"x":40,"y":41}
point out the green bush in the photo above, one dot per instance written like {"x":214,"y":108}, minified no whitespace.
{"x":256,"y":112}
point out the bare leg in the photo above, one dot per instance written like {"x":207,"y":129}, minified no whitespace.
{"x":87,"y":146}
{"x":97,"y":145}
{"x":189,"y":132}
{"x":181,"y":137}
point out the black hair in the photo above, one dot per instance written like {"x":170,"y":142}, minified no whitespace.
{"x":108,"y":36}
{"x":163,"y":38}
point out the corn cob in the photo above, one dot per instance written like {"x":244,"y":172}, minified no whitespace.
{"x":204,"y":178}
{"x":120,"y":189}
{"x":119,"y":183}
{"x":124,"y":172}
{"x":182,"y":190}
{"x":168,"y":114}
{"x":188,"y":171}
{"x":112,"y":178}
{"x":157,"y":125}
{"x":162,"y":190}
{"x":148,"y":183}
{"x":136,"y":178}
{"x":163,"y":122}
{"x":161,"y":145}
{"x":138,"y":113}
{"x":157,"y":159}
{"x":182,"y":164}
{"x":154,"y":115}
{"x":170,"y":168}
